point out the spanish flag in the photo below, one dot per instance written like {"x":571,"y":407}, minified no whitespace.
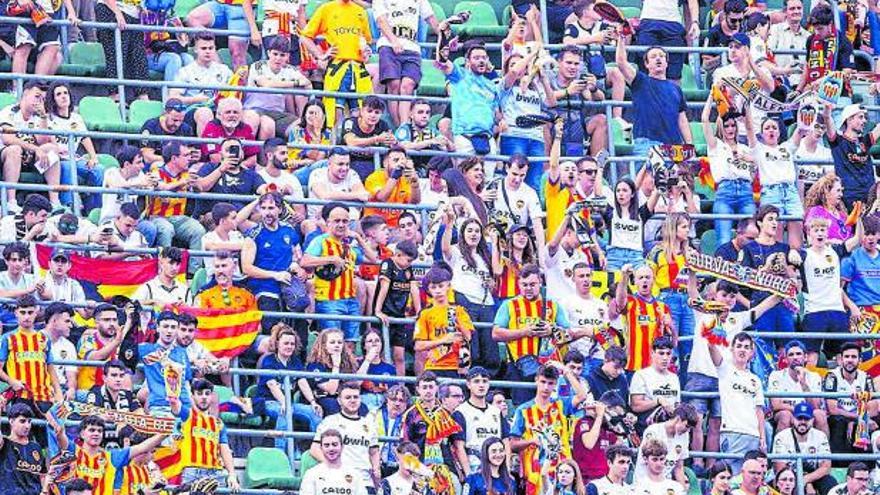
{"x":109,"y":277}
{"x":225,"y":332}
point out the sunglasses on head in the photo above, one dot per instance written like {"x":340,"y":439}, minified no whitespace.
{"x":175,"y":108}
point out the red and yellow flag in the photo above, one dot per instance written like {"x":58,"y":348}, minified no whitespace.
{"x":110,"y":277}
{"x":225,"y":332}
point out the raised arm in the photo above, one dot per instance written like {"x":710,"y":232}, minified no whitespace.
{"x":830,"y":131}
{"x":707,"y":127}
{"x":629,"y":73}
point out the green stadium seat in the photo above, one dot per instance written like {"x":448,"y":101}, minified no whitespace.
{"x":107,"y":161}
{"x":312,"y":6}
{"x":839,"y":474}
{"x":101,"y":114}
{"x":141,"y":111}
{"x":631,"y":12}
{"x":697,"y":133}
{"x":200,"y":278}
{"x":85,"y":59}
{"x":182,"y":8}
{"x":439,"y":12}
{"x":95,"y":215}
{"x":709,"y":242}
{"x":693,"y":482}
{"x":7,"y":99}
{"x":433,"y":81}
{"x":506,"y":14}
{"x":268,"y":468}
{"x":482,"y":23}
{"x":689,"y":85}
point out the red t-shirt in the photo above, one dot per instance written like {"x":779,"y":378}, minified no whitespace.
{"x":214,"y":129}
{"x":591,"y":461}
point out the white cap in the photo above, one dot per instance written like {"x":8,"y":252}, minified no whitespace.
{"x":849,"y":111}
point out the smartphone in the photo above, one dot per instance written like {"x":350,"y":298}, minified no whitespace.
{"x":235,"y":150}
{"x":107,"y":231}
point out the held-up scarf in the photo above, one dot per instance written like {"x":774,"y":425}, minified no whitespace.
{"x":862,"y":436}
{"x":440,"y":426}
{"x":143,"y":423}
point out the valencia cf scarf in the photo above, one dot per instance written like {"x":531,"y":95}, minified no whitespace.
{"x":821,"y":57}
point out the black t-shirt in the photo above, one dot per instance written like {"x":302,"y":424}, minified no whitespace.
{"x":245,"y":181}
{"x":20,"y":468}
{"x":351,"y":126}
{"x":717,"y":36}
{"x":853,"y":164}
{"x":398,"y":291}
{"x":152,"y":127}
{"x":771,"y":259}
{"x":727,"y":251}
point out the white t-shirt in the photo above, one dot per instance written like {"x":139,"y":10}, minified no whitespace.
{"x":776,"y":163}
{"x":701,"y":360}
{"x":816,"y":443}
{"x":63,"y":350}
{"x":358,"y":437}
{"x":469,"y":281}
{"x":74,"y":122}
{"x":626,"y":233}
{"x":590,"y":313}
{"x":666,"y":487}
{"x":270,"y":101}
{"x":155,"y":291}
{"x":812,"y":173}
{"x":321,"y":176}
{"x":216,"y":74}
{"x":661,"y":10}
{"x":840,"y":489}
{"x":821,"y":278}
{"x":676,"y":447}
{"x":68,"y":290}
{"x":480,"y":424}
{"x":514,"y":103}
{"x":397,"y":485}
{"x":781,"y":381}
{"x":271,"y":23}
{"x":11,"y":116}
{"x":604,"y":486}
{"x":741,"y":393}
{"x":654,"y":385}
{"x":323,"y":480}
{"x":285,"y":178}
{"x":730,"y":70}
{"x":431,"y":197}
{"x":520,"y":205}
{"x":834,"y":382}
{"x":403,"y":17}
{"x":212,"y":236}
{"x":559,"y":282}
{"x":724,"y":167}
{"x":110,"y":202}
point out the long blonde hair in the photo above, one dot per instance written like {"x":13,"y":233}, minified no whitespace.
{"x":818,"y":194}
{"x":668,"y":242}
{"x":319,"y":353}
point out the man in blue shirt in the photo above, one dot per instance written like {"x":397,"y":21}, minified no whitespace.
{"x":659,"y":106}
{"x":861,"y":270}
{"x":166,"y":369}
{"x":475,"y":101}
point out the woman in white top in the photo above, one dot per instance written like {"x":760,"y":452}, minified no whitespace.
{"x":473,"y":283}
{"x":732,"y":167}
{"x":625,"y":226}
{"x":775,"y":158}
{"x":88,"y":171}
{"x":812,"y":148}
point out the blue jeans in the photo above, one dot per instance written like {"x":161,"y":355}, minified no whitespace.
{"x":183,"y":228}
{"x":641,"y":146}
{"x":528,"y":147}
{"x":344,"y":307}
{"x":85,"y":177}
{"x":683,"y":319}
{"x":149,"y":231}
{"x":617,"y":257}
{"x":169,"y":63}
{"x":300,"y":411}
{"x":785,"y":197}
{"x":731,"y":196}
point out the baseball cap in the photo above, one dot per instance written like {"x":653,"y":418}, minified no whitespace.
{"x":476,"y":371}
{"x":803,"y":410}
{"x":60,"y":253}
{"x":516,"y":228}
{"x":794,"y":343}
{"x":849,"y":111}
{"x":740,"y":38}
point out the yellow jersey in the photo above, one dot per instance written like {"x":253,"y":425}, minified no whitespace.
{"x":343,"y":24}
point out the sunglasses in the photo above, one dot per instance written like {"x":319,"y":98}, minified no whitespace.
{"x":588,"y":171}
{"x":175,"y":108}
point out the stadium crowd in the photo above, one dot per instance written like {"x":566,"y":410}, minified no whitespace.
{"x":634,"y":350}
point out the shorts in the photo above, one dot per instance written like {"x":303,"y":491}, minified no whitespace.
{"x":698,"y":382}
{"x":653,"y":32}
{"x":738,"y":443}
{"x":401,"y":335}
{"x":40,"y":37}
{"x":397,"y":66}
{"x":785,"y":197}
{"x":825,"y":322}
{"x":344,"y":307}
{"x":230,"y":17}
{"x":282,"y":120}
